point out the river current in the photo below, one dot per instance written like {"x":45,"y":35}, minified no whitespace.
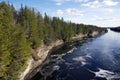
{"x":96,"y":59}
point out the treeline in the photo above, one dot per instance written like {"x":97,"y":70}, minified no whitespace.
{"x":25,"y":29}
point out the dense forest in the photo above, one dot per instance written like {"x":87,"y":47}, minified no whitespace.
{"x":25,"y":29}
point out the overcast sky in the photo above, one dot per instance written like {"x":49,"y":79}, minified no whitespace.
{"x":104,"y":13}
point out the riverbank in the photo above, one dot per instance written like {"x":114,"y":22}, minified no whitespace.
{"x":116,"y":29}
{"x":90,"y":60}
{"x":43,"y":52}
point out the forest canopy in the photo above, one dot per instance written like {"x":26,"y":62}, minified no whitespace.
{"x":25,"y":29}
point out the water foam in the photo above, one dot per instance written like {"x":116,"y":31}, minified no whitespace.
{"x":81,"y":59}
{"x":109,"y":75}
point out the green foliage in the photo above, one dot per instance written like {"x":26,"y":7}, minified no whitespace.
{"x":48,"y":30}
{"x":40,"y":26}
{"x":28,"y":20}
{"x":5,"y":15}
{"x":5,"y":43}
{"x":14,"y":48}
{"x":23,"y":30}
{"x":20,"y":51}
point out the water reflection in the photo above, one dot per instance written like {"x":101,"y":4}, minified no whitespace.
{"x":98,"y":59}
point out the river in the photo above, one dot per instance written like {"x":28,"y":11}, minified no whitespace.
{"x":96,"y":59}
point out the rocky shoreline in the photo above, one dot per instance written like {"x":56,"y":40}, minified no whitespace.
{"x":44,"y":51}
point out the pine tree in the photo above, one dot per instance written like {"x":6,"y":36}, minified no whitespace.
{"x":49,"y":34}
{"x":23,"y":30}
{"x":40,"y":26}
{"x":6,"y":15}
{"x":20,"y":51}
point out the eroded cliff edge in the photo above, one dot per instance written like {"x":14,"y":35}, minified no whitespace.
{"x":44,"y":51}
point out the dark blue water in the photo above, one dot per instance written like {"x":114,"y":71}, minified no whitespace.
{"x":97,"y":59}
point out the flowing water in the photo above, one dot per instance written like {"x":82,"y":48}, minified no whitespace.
{"x":96,"y":59}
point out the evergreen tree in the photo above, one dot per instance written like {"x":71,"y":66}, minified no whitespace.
{"x":6,"y":17}
{"x":40,"y":26}
{"x":49,"y":34}
{"x":23,"y":30}
{"x":20,"y":51}
{"x":5,"y":43}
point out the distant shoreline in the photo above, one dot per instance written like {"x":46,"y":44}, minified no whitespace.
{"x":45,"y":53}
{"x":117,"y":29}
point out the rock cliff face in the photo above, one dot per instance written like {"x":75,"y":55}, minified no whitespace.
{"x":78,"y":37}
{"x":43,"y":52}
